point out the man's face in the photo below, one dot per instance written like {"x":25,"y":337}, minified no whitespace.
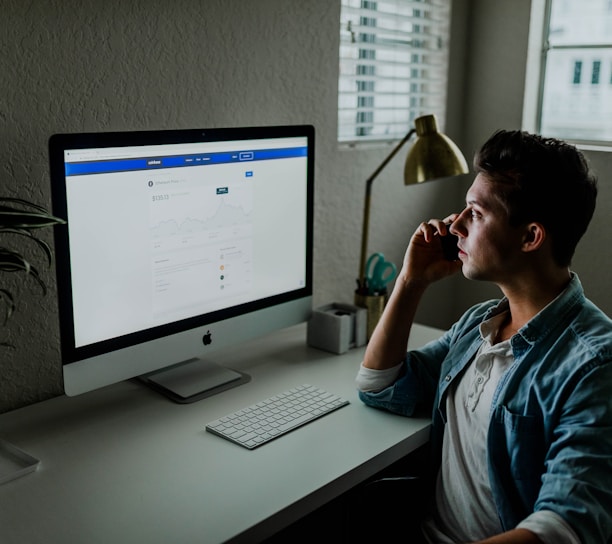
{"x":490,"y":249}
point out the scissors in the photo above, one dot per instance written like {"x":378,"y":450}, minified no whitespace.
{"x":378,"y":273}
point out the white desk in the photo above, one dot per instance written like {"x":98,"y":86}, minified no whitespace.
{"x":125,"y":465}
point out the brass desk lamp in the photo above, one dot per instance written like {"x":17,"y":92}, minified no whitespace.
{"x":432,"y":156}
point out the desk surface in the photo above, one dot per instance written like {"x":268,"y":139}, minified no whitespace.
{"x":124,"y":464}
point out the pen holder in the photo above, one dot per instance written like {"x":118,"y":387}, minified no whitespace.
{"x":374,"y":304}
{"x":337,"y":327}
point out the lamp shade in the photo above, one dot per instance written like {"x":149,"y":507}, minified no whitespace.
{"x":432,"y":155}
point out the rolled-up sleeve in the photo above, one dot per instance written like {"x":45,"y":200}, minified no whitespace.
{"x":416,"y":384}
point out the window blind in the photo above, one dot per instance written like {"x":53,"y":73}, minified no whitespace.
{"x":393,"y":66}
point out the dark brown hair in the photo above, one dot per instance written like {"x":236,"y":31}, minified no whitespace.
{"x":543,"y":180}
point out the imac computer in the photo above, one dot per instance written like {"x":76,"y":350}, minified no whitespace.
{"x":178,"y":243}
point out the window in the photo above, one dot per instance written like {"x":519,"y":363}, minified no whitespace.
{"x":576,"y":91}
{"x":596,"y":69}
{"x":393,"y":66}
{"x":577,"y":72}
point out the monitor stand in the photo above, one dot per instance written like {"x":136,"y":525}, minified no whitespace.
{"x":193,"y":380}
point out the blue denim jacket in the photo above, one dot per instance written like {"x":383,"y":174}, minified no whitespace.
{"x":550,"y":432}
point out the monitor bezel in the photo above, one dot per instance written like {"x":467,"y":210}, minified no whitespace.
{"x":58,"y":143}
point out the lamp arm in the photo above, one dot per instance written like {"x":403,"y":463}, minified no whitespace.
{"x":366,"y":206}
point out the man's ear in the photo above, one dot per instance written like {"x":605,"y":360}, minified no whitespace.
{"x":533,"y":237}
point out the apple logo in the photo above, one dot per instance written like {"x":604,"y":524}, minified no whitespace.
{"x":207,"y":338}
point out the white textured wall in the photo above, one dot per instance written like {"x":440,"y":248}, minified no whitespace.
{"x":73,"y":65}
{"x":86,"y":65}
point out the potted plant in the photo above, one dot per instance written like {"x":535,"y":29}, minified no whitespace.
{"x":21,"y":219}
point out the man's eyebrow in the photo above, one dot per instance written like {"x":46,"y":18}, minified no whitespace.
{"x":475,"y":202}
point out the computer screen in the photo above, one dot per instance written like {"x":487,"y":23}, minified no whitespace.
{"x":178,"y":243}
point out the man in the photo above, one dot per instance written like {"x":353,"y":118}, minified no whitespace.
{"x":521,"y":388}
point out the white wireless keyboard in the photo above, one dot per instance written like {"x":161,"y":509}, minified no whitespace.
{"x":273,"y":417}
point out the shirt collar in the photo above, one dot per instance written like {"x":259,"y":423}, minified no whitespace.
{"x":558,"y":310}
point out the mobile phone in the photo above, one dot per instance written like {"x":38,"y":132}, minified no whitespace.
{"x":449,"y":245}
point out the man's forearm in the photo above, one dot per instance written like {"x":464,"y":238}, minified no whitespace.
{"x":423,"y":264}
{"x":387,"y":346}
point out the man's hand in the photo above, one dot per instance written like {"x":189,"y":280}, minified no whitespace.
{"x":423,"y":264}
{"x":424,"y":261}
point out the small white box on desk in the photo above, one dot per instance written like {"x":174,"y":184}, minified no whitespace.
{"x":337,"y":327}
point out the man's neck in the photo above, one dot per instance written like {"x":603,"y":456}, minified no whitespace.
{"x":527,"y":297}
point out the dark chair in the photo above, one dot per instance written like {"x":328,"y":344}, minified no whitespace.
{"x":400,"y":501}
{"x":388,"y":507}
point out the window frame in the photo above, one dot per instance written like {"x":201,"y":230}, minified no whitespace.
{"x":538,"y":52}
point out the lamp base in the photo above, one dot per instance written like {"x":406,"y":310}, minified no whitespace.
{"x":374,"y":304}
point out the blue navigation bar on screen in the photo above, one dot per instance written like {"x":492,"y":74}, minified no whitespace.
{"x":177,"y":161}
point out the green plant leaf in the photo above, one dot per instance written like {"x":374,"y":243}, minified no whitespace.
{"x":11,"y":261}
{"x":16,"y":212}
{"x":19,"y":217}
{"x":9,"y":302}
{"x":44,"y":246}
